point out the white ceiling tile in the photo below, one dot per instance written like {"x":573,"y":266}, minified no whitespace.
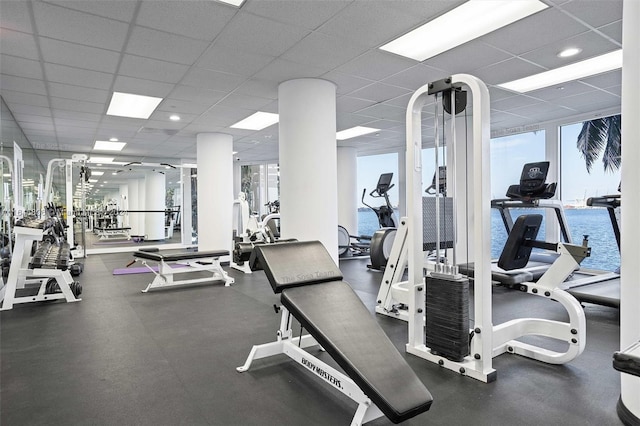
{"x":346,"y":121}
{"x":349,"y":104}
{"x":261,"y":88}
{"x":593,"y":100}
{"x":77,"y":76}
{"x":272,"y":107}
{"x":508,"y":70}
{"x":13,"y":65}
{"x":383,"y":111}
{"x":369,"y":24}
{"x":379,"y":92}
{"x":28,"y":110}
{"x":615,"y":90}
{"x":20,"y":84}
{"x":76,"y":115}
{"x":76,"y":55}
{"x":212,"y":80}
{"x":613,"y":31}
{"x":222,"y":116}
{"x":323,"y":51}
{"x":236,"y":100}
{"x":121,"y":10}
{"x":77,"y":27}
{"x":223,"y":59}
{"x":139,"y":86}
{"x":15,"y":16}
{"x":266,"y":37}
{"x":202,"y":19}
{"x":75,"y":105}
{"x":468,"y":57}
{"x":595,"y":13}
{"x":570,"y":88}
{"x":196,"y":94}
{"x":182,"y":107}
{"x":77,"y":92}
{"x":591,"y":43}
{"x":390,"y":126}
{"x":15,"y":43}
{"x":535,"y":31}
{"x":613,"y":78}
{"x":415,"y":77}
{"x":151,"y":69}
{"x":66,"y":122}
{"x":22,"y":98}
{"x":376,"y":65}
{"x":164,"y":46}
{"x":307,"y":14}
{"x":37,"y":126}
{"x":400,"y":101}
{"x":346,"y":83}
{"x":281,"y":70}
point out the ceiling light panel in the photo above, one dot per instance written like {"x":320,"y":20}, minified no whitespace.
{"x":598,"y":65}
{"x":258,"y":121}
{"x":108,"y":146}
{"x":100,"y":160}
{"x":132,"y":106}
{"x":355,"y":131}
{"x":236,"y":3}
{"x":466,"y":22}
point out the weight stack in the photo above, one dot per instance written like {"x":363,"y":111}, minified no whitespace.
{"x":447,"y":319}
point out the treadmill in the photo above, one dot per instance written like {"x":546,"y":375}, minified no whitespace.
{"x":605,"y":293}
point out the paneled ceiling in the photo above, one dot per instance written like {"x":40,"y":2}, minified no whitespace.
{"x":215,"y":64}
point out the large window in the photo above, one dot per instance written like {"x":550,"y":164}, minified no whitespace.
{"x":369,"y":170}
{"x":578,"y":184}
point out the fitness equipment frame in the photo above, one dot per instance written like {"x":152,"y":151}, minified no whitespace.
{"x":488,"y":341}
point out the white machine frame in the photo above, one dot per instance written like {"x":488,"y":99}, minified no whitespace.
{"x":20,"y":274}
{"x":293,"y":347}
{"x":164,"y":275}
{"x":113,"y":233}
{"x":488,"y":340}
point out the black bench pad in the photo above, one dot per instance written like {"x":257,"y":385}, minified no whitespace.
{"x":336,"y":317}
{"x":175,"y":257}
{"x":112,"y":229}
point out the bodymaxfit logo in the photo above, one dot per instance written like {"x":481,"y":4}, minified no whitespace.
{"x":320,"y":372}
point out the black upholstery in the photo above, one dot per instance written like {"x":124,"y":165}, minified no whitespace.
{"x":296,"y":264}
{"x":515,"y":253}
{"x":175,"y":257}
{"x":532,"y":183}
{"x":112,"y":229}
{"x":336,"y":317}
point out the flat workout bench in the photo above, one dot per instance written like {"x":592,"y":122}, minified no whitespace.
{"x":377,"y":376}
{"x":192,"y":261}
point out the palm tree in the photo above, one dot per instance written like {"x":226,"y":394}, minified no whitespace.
{"x":601,"y":135}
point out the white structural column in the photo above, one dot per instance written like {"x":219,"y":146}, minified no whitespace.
{"x":215,"y":191}
{"x":308,"y":164}
{"x":186,"y":225}
{"x":134,"y":204}
{"x":348,"y":189}
{"x":155,"y":193}
{"x":124,"y":203}
{"x":142,"y":199}
{"x":629,"y":405}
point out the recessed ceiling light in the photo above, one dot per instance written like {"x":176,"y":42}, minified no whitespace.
{"x":174,"y":117}
{"x":571,"y":51}
{"x":598,"y":65}
{"x":100,"y":160}
{"x":355,"y":131}
{"x":258,"y":121}
{"x":113,"y":140}
{"x":132,"y":106}
{"x":108,"y":146}
{"x":466,"y":22}
{"x":114,"y":173}
{"x":96,"y":173}
{"x":236,"y":3}
{"x":93,"y":180}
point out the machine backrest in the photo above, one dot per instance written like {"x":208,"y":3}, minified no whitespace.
{"x":515,"y":254}
{"x":533,"y":182}
{"x":297,"y":264}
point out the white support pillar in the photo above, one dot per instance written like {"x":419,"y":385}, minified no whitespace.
{"x":215,"y":190}
{"x":308,"y":161}
{"x":629,"y":404}
{"x":134,"y":204}
{"x":552,"y":155}
{"x":348,"y":189}
{"x":142,"y":205}
{"x":124,"y":204}
{"x":155,"y":191}
{"x":186,"y":227}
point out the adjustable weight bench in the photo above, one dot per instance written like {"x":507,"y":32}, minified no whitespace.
{"x":183,"y":262}
{"x":377,"y":377}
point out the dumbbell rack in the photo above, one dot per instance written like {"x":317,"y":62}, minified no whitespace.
{"x":20,"y":274}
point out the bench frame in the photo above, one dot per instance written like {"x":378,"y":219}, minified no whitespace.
{"x":113,"y":233}
{"x":164,"y":275}
{"x":293,"y":347}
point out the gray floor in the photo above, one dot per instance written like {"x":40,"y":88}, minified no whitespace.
{"x":120,"y":357}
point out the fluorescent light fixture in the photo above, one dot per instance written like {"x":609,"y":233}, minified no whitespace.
{"x":6,"y":175}
{"x":100,"y":159}
{"x":113,"y":140}
{"x":257,"y":121}
{"x":598,"y":65}
{"x":96,"y":173}
{"x":174,"y":117}
{"x":354,"y":131}
{"x":466,"y":22}
{"x":108,"y":146}
{"x":236,"y":3}
{"x":568,"y":52}
{"x":132,"y":106}
{"x":190,"y":165}
{"x":93,"y":180}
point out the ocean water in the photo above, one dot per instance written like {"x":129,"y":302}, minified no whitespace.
{"x":592,"y":222}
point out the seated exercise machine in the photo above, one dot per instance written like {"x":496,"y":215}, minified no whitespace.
{"x":376,"y":376}
{"x":171,"y":263}
{"x":48,"y":269}
{"x":109,"y":233}
{"x":438,"y":302}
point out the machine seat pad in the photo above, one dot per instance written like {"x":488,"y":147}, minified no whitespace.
{"x":297,"y":263}
{"x":112,"y":229}
{"x":175,"y":257}
{"x":336,"y":317}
